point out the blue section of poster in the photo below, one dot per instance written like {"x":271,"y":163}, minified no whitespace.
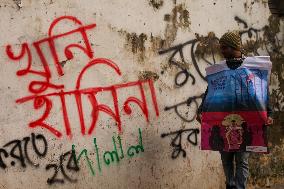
{"x":237,"y":90}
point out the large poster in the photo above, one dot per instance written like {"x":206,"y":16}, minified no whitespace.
{"x":235,"y":108}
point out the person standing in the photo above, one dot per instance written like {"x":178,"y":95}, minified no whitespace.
{"x":233,"y":124}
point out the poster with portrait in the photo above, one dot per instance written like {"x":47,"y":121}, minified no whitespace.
{"x":235,"y":108}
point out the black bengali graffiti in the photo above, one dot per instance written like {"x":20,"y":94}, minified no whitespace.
{"x":23,"y":152}
{"x":254,"y":36}
{"x":190,"y":102}
{"x":241,"y":21}
{"x":67,"y":162}
{"x":176,"y":142}
{"x":18,"y":151}
{"x":178,"y":49}
{"x":184,"y":75}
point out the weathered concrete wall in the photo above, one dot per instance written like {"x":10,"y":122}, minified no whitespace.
{"x":132,"y":80}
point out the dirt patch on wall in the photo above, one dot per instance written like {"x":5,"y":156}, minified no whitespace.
{"x":136,"y":42}
{"x":18,"y":3}
{"x":157,"y":43}
{"x":269,"y":168}
{"x":179,"y":18}
{"x":144,"y":75}
{"x":276,"y":53}
{"x":207,"y":46}
{"x":248,"y":5}
{"x":156,"y":3}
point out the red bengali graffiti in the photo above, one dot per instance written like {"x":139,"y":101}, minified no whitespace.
{"x":43,"y":100}
{"x":40,"y":86}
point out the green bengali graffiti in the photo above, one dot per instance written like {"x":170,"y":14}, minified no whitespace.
{"x":110,"y":157}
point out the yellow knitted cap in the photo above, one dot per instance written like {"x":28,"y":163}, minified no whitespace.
{"x":231,"y":39}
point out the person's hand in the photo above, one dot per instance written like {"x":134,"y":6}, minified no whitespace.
{"x":198,"y":117}
{"x":269,"y":121}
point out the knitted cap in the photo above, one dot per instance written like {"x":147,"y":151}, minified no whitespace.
{"x":232,"y":39}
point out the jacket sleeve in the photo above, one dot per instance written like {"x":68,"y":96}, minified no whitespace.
{"x":269,"y":107}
